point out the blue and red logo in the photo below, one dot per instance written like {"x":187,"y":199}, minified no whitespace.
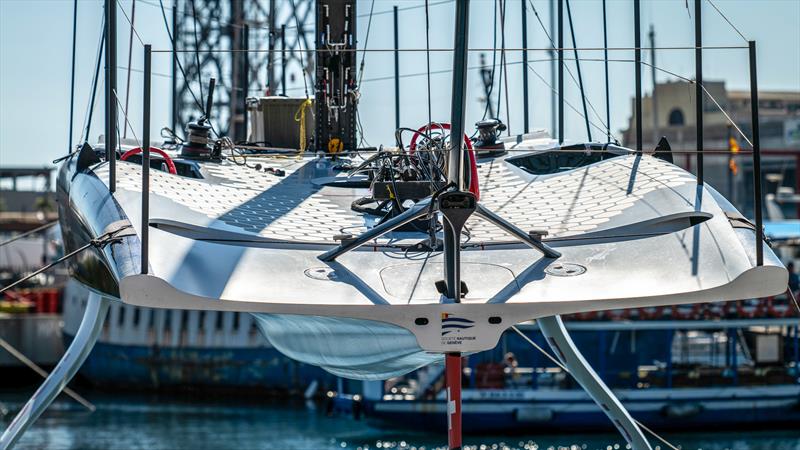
{"x":452,"y":323}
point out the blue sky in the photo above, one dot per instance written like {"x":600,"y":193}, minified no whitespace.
{"x":35,"y":40}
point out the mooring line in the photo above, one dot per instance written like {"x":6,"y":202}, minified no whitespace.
{"x":36,"y":368}
{"x":29,"y":232}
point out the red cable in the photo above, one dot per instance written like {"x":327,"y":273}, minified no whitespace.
{"x":474,"y":187}
{"x":167,"y":159}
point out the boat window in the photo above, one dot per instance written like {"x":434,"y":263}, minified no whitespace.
{"x":567,"y":158}
{"x":121,"y":318}
{"x":236,"y":320}
{"x":136,"y":314}
{"x":220,"y":315}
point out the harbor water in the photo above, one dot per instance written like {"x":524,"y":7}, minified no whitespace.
{"x":145,"y":421}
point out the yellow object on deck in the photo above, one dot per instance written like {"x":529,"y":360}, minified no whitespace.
{"x":300,"y":116}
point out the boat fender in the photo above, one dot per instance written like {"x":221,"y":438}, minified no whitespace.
{"x":533,"y":414}
{"x":681,"y":410}
{"x":356,"y":407}
{"x":618,"y":314}
{"x":589,"y":315}
{"x":651,"y":313}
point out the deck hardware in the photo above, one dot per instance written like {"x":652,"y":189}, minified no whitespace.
{"x":563,"y":269}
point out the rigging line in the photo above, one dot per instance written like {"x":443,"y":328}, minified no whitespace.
{"x":28,"y":233}
{"x":739,"y":130}
{"x":569,"y":71}
{"x":130,"y":55}
{"x":72,"y":74}
{"x":562,"y":367}
{"x":361,"y":74}
{"x":42,"y":373}
{"x":726,"y":20}
{"x":578,"y":69}
{"x":178,"y":60}
{"x":130,"y":21}
{"x":794,"y":299}
{"x":494,"y":65}
{"x":449,"y":50}
{"x":300,"y":46}
{"x":366,"y":41}
{"x":127,"y":122}
{"x":601,"y":129}
{"x":197,"y":60}
{"x":95,"y":81}
{"x":503,"y":62}
{"x":388,"y":11}
{"x":278,"y":153}
{"x":99,"y":242}
{"x":217,"y":21}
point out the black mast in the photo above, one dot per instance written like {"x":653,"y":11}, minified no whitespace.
{"x":560,"y":71}
{"x":525,"y":108}
{"x":111,"y":92}
{"x":72,"y":73}
{"x":605,"y":61}
{"x":637,"y":43}
{"x":698,"y":87}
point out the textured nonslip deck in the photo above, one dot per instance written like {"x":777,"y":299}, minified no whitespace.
{"x":294,"y":209}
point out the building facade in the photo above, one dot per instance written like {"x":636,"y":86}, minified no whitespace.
{"x":671,"y":113}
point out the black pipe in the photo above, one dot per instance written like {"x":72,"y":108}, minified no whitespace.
{"x":756,"y":156}
{"x":654,"y":97}
{"x":396,"y":72}
{"x":283,"y":60}
{"x":174,"y":119}
{"x":637,"y":38}
{"x":72,"y":74}
{"x":525,"y":108}
{"x":560,"y":71}
{"x":246,"y":77}
{"x":210,"y":98}
{"x":605,"y":61}
{"x":144,"y":227}
{"x":698,"y":87}
{"x":580,"y":77}
{"x":455,"y":172}
{"x":111,"y":89}
{"x":552,"y":53}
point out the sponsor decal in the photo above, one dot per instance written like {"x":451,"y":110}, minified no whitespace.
{"x":456,"y":330}
{"x":452,"y":323}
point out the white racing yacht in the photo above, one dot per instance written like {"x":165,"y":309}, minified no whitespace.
{"x":460,"y":245}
